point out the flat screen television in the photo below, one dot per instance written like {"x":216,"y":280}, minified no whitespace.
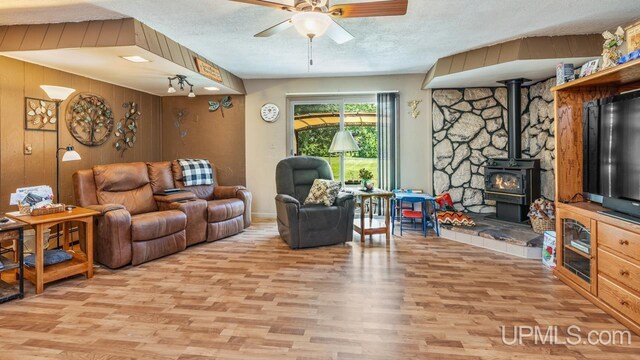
{"x":611,"y":156}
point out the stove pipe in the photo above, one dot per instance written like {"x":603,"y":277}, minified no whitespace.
{"x":514,"y":112}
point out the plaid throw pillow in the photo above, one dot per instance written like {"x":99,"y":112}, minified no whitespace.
{"x":323,"y":192}
{"x":196,"y":172}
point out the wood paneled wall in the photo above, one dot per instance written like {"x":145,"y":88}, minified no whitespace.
{"x":210,"y":135}
{"x":19,"y":79}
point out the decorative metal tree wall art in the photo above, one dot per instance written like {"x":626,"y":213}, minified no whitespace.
{"x":90,"y":119}
{"x":40,"y":115}
{"x":127,"y":128}
{"x":180,"y":117}
{"x":225,"y":102}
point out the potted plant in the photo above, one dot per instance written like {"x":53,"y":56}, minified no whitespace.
{"x":365,"y":178}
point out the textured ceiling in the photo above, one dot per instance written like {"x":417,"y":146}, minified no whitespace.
{"x":223,"y":31}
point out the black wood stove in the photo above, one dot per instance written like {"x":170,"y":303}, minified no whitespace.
{"x":514,"y":183}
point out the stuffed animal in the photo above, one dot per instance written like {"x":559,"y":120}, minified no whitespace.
{"x":611,"y":48}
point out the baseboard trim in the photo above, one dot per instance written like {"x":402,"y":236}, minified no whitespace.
{"x":259,"y":215}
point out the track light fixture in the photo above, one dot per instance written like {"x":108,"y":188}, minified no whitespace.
{"x":182,"y":80}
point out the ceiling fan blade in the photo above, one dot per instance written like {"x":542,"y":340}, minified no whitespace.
{"x":338,"y":34}
{"x":275,"y":29}
{"x":376,"y":8}
{"x":270,"y":4}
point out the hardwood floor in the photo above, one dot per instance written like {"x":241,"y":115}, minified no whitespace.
{"x":250,"y":297}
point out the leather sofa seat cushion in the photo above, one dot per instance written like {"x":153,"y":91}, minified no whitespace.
{"x":143,"y":251}
{"x":222,"y":229}
{"x":220,"y":210}
{"x":160,"y":176}
{"x":125,"y":184}
{"x":137,"y":201}
{"x":157,"y":224}
{"x":120,"y":177}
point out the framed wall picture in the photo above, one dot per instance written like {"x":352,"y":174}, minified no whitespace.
{"x":589,"y":68}
{"x":564,"y":73}
{"x":40,"y":114}
{"x":633,"y":37}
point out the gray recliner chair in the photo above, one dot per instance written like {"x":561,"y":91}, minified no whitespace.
{"x":304,"y":226}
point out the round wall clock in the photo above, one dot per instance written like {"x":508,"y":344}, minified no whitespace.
{"x":269,"y":112}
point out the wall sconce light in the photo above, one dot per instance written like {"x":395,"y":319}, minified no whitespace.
{"x":182,"y":81}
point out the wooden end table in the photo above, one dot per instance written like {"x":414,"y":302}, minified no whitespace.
{"x":373,"y":226}
{"x":81,"y":263}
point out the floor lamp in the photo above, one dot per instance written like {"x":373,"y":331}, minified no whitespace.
{"x":343,"y":142}
{"x":58,"y":94}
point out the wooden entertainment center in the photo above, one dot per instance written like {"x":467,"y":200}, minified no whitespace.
{"x":608,"y":272}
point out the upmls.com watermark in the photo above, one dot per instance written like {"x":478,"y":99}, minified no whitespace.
{"x":553,"y":335}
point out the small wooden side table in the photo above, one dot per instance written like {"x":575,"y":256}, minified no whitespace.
{"x":12,"y":232}
{"x":81,"y":263}
{"x":373,"y":226}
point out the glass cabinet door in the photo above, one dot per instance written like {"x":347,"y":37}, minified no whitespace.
{"x":575,"y":232}
{"x":577,"y":242}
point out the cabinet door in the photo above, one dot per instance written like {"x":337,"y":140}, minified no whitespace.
{"x":576,"y":248}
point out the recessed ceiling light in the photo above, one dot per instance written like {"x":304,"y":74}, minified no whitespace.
{"x":211,"y":88}
{"x":135,"y":59}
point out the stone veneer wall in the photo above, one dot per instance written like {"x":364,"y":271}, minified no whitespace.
{"x":470,"y":125}
{"x":538,"y":133}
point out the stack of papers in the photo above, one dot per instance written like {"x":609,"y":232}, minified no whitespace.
{"x":34,"y":196}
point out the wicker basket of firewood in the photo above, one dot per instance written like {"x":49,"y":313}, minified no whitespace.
{"x":541,"y":225}
{"x":542,"y":214}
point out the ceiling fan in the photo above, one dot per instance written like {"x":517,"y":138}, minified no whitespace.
{"x":314,"y":18}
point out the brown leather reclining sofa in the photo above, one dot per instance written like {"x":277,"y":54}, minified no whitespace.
{"x":136,"y":226}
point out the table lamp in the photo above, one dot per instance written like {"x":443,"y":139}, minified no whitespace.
{"x":343,"y":142}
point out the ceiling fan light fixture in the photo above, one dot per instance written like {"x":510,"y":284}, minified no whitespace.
{"x":311,"y":23}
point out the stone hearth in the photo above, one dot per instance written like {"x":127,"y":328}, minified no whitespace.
{"x":491,"y":233}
